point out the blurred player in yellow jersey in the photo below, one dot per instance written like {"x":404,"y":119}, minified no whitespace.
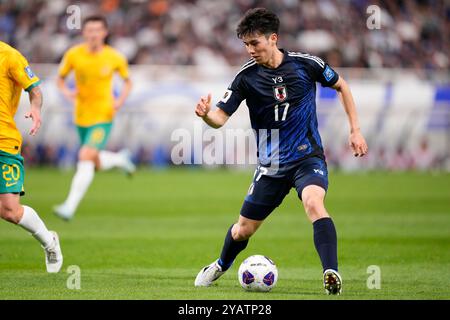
{"x":94,"y":64}
{"x":16,"y":75}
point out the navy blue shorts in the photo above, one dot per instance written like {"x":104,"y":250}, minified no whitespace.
{"x":267,"y":192}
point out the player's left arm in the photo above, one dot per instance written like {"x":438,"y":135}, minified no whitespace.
{"x":36,"y":99}
{"x":356,"y":139}
{"x":122,"y":69}
{"x":21,"y":73}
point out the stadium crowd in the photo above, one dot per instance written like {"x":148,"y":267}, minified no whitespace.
{"x":421,"y":158}
{"x":413,"y":33}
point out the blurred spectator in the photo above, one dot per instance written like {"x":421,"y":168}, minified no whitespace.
{"x":423,"y":157}
{"x":401,"y":160}
{"x":380,"y":158}
{"x":414,"y":33}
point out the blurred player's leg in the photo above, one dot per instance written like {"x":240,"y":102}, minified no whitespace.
{"x":91,"y":156}
{"x":122,"y":160}
{"x":80,"y":183}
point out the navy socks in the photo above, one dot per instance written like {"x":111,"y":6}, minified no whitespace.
{"x":325,"y":240}
{"x":230,"y":250}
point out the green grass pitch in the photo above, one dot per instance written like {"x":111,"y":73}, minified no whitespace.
{"x":147,"y":237}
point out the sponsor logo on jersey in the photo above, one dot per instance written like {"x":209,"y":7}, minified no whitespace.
{"x":280,"y":92}
{"x":318,"y":171}
{"x":29,"y":72}
{"x":328,"y":73}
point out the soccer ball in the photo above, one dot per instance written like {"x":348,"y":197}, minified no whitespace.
{"x":258,"y":273}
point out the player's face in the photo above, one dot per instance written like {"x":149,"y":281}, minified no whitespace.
{"x":94,"y":33}
{"x":260,"y":47}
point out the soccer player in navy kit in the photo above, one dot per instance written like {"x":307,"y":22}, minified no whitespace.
{"x":279,"y":88}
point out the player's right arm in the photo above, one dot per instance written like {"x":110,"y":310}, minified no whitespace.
{"x":216,"y":118}
{"x":64,"y":69}
{"x":225,"y":107}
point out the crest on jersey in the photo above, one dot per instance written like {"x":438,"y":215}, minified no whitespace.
{"x":29,"y":73}
{"x":280,"y":92}
{"x":328,"y":73}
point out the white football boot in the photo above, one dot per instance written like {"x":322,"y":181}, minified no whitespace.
{"x":63,"y":212}
{"x":53,"y":255}
{"x":208,"y":275}
{"x":332,"y":282}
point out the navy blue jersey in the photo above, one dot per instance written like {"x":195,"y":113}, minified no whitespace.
{"x":282,"y":101}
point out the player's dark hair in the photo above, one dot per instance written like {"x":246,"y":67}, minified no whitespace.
{"x":258,"y":21}
{"x":96,"y":18}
